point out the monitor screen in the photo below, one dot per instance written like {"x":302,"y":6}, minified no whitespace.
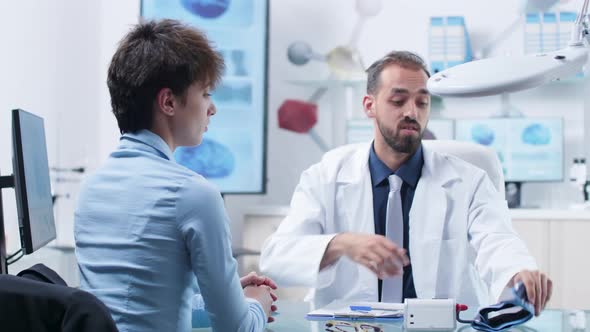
{"x":530,"y":149}
{"x":233,"y":151}
{"x":31,"y":181}
{"x":361,"y":130}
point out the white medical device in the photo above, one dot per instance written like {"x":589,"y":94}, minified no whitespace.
{"x":430,"y":315}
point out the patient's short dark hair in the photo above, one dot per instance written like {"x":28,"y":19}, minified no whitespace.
{"x":156,"y":55}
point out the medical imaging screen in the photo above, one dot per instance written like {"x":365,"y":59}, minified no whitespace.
{"x":530,"y":149}
{"x":232,"y":154}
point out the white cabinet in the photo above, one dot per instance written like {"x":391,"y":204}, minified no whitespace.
{"x":257,"y":228}
{"x":535,"y":234}
{"x":570,"y":267}
{"x":560,"y":241}
{"x":259,"y":224}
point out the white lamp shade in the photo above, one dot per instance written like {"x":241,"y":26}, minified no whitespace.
{"x":507,"y":74}
{"x":539,"y":5}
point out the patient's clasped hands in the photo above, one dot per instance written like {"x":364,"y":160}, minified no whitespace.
{"x":261,"y":289}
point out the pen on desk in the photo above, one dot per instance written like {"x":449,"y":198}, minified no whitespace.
{"x":368,"y":308}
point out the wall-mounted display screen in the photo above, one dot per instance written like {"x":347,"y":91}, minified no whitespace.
{"x":530,"y":149}
{"x":233,"y":151}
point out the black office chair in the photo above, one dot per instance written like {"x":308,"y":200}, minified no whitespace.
{"x":39,"y":300}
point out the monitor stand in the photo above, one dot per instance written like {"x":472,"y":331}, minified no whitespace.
{"x":5,"y":182}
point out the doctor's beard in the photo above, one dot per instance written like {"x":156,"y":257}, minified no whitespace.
{"x":403,"y":144}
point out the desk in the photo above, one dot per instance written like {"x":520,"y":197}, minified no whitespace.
{"x":291,"y":318}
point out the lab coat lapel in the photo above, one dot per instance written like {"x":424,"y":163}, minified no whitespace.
{"x":355,"y":193}
{"x":427,"y":220}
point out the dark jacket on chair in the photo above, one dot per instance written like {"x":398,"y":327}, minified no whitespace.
{"x":38,"y":300}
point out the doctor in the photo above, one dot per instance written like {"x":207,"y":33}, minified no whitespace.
{"x":392,"y":219}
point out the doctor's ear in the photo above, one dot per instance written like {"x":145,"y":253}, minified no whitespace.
{"x":369,"y":105}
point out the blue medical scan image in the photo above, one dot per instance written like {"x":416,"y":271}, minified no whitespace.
{"x":208,"y":14}
{"x":536,"y":134}
{"x":233,"y":93}
{"x":206,"y":8}
{"x":482,"y":134}
{"x":211,"y":159}
{"x":237,"y":62}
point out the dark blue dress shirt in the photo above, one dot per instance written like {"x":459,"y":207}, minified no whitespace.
{"x":410,"y":173}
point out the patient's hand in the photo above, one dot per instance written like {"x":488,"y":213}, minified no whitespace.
{"x":253,"y":279}
{"x":265,"y":296}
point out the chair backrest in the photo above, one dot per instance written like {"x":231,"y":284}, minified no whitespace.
{"x":39,"y":300}
{"x":475,"y":154}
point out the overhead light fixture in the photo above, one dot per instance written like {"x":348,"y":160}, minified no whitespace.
{"x":509,"y":74}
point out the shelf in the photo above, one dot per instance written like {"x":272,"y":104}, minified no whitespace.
{"x":360,"y":82}
{"x":550,"y":214}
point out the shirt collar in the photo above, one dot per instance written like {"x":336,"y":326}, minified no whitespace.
{"x":150,"y":139}
{"x":409,"y":171}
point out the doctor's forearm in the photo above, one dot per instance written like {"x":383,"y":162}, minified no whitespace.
{"x":335,"y":249}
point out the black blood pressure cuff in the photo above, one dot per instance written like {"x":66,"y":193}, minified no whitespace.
{"x":513,"y":309}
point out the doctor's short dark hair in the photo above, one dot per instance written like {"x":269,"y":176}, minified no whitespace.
{"x":156,"y":55}
{"x":403,"y":59}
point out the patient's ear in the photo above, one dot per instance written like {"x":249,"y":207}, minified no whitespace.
{"x":166,"y":101}
{"x":369,"y":105}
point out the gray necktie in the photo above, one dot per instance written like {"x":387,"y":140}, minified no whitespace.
{"x":391,"y":290}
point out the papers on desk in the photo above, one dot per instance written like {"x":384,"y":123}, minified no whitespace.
{"x":341,"y":310}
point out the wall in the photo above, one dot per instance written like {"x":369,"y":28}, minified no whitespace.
{"x":56,"y":55}
{"x":49,"y":67}
{"x":52,"y":64}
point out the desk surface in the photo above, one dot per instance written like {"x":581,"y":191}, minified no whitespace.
{"x":291,"y":318}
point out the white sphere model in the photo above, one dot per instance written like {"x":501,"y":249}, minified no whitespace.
{"x":368,"y":8}
{"x":299,"y":53}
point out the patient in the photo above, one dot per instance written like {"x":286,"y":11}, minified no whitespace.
{"x":150,"y":234}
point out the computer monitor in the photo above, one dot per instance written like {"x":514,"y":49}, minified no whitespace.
{"x":31,"y":183}
{"x":530,"y":149}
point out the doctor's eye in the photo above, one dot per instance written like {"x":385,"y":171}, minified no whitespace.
{"x":398,"y":102}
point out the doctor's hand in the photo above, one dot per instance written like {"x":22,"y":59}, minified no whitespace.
{"x":376,"y":252}
{"x":538,"y":287}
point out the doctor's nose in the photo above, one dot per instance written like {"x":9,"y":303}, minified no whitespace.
{"x":410,"y":112}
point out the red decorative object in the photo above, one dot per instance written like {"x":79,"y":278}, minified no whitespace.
{"x":298,"y":116}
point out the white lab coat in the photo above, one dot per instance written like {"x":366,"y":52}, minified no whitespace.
{"x":462,"y":244}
